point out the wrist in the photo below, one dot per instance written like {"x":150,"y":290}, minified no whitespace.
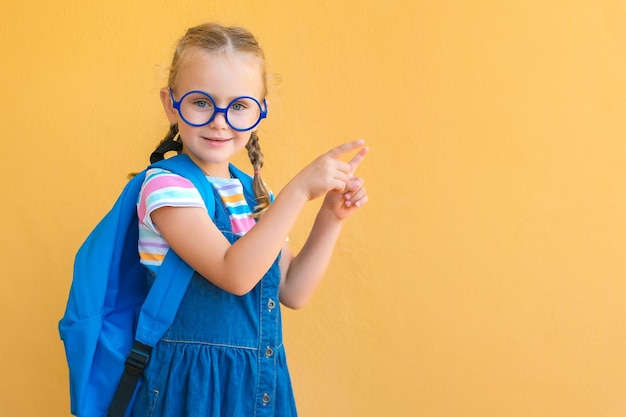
{"x":328,"y":215}
{"x":295,"y":193}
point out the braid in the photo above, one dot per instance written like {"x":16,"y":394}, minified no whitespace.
{"x":261,"y":192}
{"x":168,"y":144}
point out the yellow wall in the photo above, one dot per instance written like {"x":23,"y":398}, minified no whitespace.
{"x":486,"y":276}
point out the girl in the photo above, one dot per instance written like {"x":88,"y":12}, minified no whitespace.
{"x":223,"y":355}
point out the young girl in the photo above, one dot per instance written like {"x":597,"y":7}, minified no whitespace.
{"x":223,"y":355}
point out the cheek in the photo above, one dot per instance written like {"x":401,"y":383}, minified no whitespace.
{"x":244,"y":137}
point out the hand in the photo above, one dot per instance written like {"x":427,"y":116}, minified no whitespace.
{"x":342,"y":205}
{"x":328,"y":173}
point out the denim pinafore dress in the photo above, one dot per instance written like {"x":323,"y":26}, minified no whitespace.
{"x":223,"y":356}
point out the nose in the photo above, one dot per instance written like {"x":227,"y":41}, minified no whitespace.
{"x":219,"y":120}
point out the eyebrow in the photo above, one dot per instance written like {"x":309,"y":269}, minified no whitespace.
{"x":215,"y":97}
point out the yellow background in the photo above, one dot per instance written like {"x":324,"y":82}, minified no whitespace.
{"x":486,"y":276}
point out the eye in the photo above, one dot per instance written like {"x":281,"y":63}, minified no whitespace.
{"x":238,"y":106}
{"x":203,"y":104}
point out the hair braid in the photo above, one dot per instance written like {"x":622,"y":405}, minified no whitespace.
{"x":261,"y":192}
{"x":168,"y":144}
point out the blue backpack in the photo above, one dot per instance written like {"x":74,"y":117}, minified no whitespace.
{"x":112,"y":319}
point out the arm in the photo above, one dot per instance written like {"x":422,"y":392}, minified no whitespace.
{"x":302,"y":274}
{"x":238,"y":268}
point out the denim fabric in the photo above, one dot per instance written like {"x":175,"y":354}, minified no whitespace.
{"x":223,"y":355}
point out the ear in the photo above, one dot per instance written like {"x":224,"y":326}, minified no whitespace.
{"x":168,"y":106}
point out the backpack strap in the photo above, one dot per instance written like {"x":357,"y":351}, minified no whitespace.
{"x":167,"y":292}
{"x":246,"y":181}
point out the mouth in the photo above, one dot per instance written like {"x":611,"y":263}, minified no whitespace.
{"x":216,"y":140}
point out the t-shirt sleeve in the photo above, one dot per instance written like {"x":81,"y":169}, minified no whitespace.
{"x":163,"y":188}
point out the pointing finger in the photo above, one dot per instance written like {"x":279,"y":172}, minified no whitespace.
{"x":356,"y":159}
{"x":343,"y":149}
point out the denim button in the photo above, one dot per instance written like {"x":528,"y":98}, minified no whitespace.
{"x":271,"y":304}
{"x":266,"y":399}
{"x":269,"y":352}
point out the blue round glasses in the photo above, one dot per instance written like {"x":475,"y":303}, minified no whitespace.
{"x":198,"y":108}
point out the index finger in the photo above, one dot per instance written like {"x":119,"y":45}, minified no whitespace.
{"x":356,"y":159}
{"x":343,"y":149}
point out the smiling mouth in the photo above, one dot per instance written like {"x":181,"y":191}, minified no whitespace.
{"x":216,"y":139}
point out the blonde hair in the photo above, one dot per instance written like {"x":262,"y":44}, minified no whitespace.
{"x":213,"y":38}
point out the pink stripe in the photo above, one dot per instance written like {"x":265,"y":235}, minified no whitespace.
{"x":158,"y":182}
{"x":241,"y":226}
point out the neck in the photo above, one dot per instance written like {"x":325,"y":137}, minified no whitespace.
{"x":212,"y":169}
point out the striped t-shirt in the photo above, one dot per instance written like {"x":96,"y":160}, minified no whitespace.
{"x":162,"y":188}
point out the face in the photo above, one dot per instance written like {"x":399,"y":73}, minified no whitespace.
{"x":224,"y":78}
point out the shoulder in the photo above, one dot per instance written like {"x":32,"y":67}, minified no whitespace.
{"x":164,"y":188}
{"x":157,"y":178}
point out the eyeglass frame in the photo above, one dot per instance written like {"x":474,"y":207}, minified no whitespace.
{"x":223,"y":110}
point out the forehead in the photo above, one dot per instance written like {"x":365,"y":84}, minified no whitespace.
{"x":225,"y":75}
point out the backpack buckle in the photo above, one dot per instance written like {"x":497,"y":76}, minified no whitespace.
{"x":137,"y":358}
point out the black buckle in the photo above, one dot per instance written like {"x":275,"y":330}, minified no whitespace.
{"x":138,"y":358}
